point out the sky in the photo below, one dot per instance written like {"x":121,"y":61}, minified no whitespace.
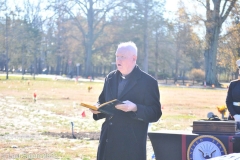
{"x":171,"y":5}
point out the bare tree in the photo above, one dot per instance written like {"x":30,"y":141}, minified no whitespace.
{"x":91,"y":17}
{"x":216,"y":13}
{"x":33,"y":17}
{"x":3,"y":5}
{"x":143,"y":9}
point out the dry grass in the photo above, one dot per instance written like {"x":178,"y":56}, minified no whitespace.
{"x":24,"y":124}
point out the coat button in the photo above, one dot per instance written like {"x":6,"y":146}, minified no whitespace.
{"x":106,"y":140}
{"x":110,"y":123}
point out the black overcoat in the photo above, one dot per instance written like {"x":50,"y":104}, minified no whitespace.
{"x":123,"y":136}
{"x":233,"y":95}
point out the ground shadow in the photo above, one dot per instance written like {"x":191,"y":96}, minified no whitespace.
{"x":76,"y":135}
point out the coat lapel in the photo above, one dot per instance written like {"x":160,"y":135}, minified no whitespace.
{"x":113,"y":85}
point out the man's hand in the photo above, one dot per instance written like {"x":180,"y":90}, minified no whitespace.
{"x":127,"y":106}
{"x":94,"y":111}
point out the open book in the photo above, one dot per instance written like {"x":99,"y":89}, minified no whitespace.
{"x":107,"y":107}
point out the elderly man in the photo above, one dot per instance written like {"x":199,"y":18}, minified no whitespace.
{"x":123,"y":136}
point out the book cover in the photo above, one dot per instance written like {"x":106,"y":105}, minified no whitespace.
{"x":107,"y":107}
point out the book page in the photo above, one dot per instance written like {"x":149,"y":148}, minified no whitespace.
{"x":103,"y":104}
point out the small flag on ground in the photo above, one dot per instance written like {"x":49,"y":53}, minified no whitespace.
{"x":83,"y":114}
{"x":34,"y":97}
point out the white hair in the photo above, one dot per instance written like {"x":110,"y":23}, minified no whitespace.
{"x":131,"y":46}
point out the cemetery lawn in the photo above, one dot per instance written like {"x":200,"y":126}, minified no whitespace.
{"x":42,"y":129}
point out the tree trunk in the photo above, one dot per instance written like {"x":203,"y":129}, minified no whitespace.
{"x":177,"y":60}
{"x":145,"y":38}
{"x":156,"y":56}
{"x":213,"y":24}
{"x":35,"y":63}
{"x":58,"y":67}
{"x":210,"y":56}
{"x":23,"y":68}
{"x":88,"y":62}
{"x":89,"y":40}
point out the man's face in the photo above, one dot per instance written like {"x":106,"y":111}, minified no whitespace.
{"x":125,"y":61}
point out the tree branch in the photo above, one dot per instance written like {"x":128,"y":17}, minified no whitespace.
{"x":105,"y":12}
{"x":103,"y":46}
{"x":208,"y":11}
{"x":228,"y":11}
{"x":82,"y":6}
{"x":202,"y":3}
{"x":224,"y":6}
{"x":3,"y":6}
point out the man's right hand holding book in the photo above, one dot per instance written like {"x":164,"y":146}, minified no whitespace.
{"x":94,"y":111}
{"x":125,"y":106}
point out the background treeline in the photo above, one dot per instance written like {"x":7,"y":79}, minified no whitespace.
{"x":79,"y":38}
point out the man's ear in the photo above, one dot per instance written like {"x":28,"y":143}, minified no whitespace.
{"x":134,"y":58}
